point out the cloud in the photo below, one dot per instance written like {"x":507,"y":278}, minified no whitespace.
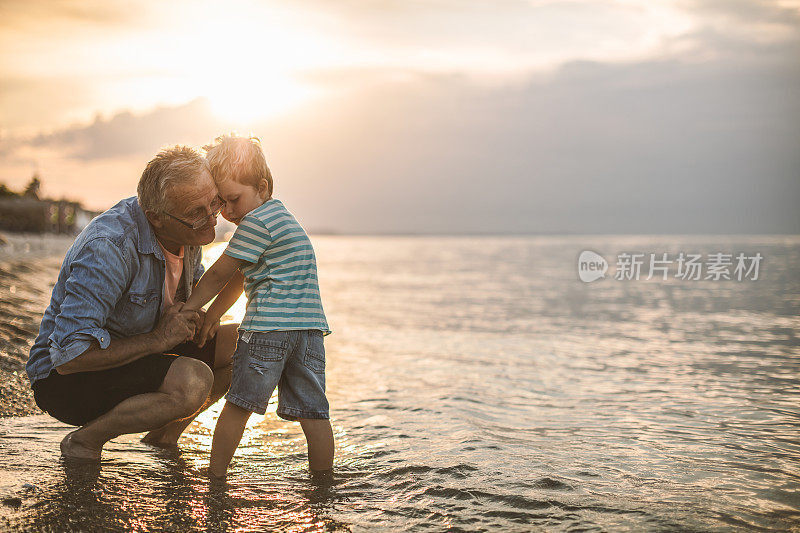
{"x":685,"y":143}
{"x":482,"y":35}
{"x":739,"y":30}
{"x":661,"y":146}
{"x":127,"y":133}
{"x":100,"y":162}
{"x":745,"y":11}
{"x":24,"y":14}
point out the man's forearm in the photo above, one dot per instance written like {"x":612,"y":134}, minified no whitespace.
{"x":119,"y":352}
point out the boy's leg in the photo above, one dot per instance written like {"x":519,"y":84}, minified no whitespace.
{"x":257,"y":367}
{"x":301,"y":397}
{"x":227,"y":434}
{"x":319,"y":437}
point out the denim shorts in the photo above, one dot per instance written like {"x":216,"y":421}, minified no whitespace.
{"x":293,"y":360}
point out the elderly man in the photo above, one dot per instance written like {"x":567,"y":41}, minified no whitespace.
{"x":114,"y":352}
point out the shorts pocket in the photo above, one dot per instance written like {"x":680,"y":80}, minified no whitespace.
{"x":314,"y":358}
{"x":261,"y":349}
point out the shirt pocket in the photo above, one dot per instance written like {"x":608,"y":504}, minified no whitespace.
{"x":138,"y":312}
{"x":141,"y":299}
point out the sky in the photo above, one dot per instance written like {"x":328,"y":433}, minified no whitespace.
{"x":415,"y":116}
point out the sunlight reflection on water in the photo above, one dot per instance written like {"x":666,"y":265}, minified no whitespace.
{"x":475,"y":383}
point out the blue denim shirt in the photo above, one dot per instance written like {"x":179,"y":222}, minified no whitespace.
{"x":110,"y":286}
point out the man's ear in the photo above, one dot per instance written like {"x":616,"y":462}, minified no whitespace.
{"x":154,"y":219}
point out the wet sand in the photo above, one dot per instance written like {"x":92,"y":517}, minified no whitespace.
{"x":29,"y":266}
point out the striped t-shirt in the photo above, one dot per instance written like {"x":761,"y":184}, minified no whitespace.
{"x":280,"y":271}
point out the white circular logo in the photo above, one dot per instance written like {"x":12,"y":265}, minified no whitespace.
{"x":591,"y":266}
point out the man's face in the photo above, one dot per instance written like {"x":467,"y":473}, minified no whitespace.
{"x":189,"y":202}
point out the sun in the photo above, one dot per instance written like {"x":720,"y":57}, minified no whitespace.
{"x":247,"y":98}
{"x":255,"y":64}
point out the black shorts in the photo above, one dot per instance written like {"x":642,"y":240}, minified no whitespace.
{"x":79,"y":398}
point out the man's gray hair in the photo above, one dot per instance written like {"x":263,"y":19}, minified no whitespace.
{"x":172,"y":166}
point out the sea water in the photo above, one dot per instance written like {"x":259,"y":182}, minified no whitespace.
{"x":476,"y":383}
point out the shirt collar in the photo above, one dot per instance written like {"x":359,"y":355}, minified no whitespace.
{"x":146,"y":243}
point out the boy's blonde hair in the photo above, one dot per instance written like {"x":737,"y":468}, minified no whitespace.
{"x":240,"y":159}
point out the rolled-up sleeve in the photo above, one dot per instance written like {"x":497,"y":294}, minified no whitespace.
{"x":97,"y":278}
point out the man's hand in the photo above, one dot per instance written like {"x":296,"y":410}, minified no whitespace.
{"x":176,"y":326}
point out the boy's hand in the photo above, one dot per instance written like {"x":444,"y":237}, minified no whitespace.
{"x":198,"y":322}
{"x":206,"y":331}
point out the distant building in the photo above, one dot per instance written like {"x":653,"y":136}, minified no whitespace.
{"x":26,"y":214}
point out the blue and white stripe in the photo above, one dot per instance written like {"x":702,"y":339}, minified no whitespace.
{"x":280,"y":271}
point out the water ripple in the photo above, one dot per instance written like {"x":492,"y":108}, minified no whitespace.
{"x":476,"y":384}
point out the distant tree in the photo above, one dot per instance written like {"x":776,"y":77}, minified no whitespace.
{"x":5,"y":192}
{"x":32,"y":190}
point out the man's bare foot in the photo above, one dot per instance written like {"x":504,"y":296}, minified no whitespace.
{"x":157,"y":439}
{"x":72,"y":449}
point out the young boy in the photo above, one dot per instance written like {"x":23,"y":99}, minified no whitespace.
{"x":280,"y":339}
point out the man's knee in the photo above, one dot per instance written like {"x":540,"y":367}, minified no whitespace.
{"x":188,"y":382}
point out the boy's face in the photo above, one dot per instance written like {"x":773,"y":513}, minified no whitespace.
{"x":239,"y":198}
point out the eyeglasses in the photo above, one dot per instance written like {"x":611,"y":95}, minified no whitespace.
{"x":216,"y":207}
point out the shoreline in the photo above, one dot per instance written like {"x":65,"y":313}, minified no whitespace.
{"x":16,"y":395}
{"x":29,"y":266}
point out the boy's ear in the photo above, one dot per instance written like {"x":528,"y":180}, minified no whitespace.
{"x":154,"y":219}
{"x":263,"y":187}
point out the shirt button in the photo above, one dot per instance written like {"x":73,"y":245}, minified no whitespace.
{"x":102,"y":339}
